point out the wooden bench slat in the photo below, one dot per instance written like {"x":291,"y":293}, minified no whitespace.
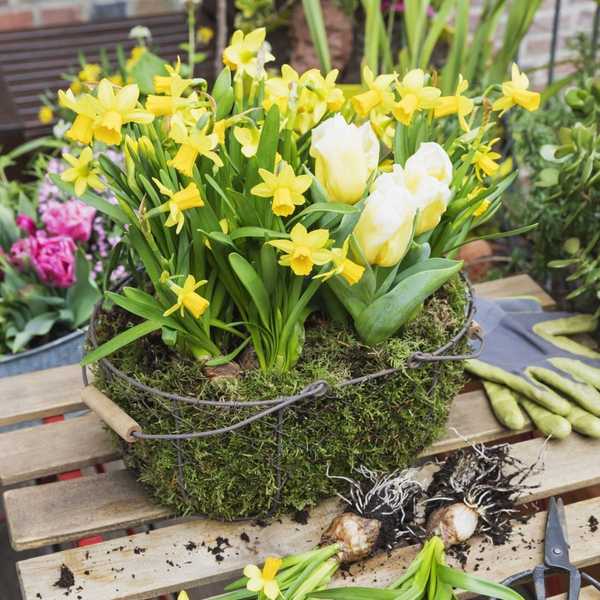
{"x":517,"y":285}
{"x":114,"y":500}
{"x":54,"y":448}
{"x":68,"y":510}
{"x":165,"y":561}
{"x":587,"y":593}
{"x":40,"y":394}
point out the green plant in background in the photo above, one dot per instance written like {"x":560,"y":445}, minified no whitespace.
{"x":423,"y":25}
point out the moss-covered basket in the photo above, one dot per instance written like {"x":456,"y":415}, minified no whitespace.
{"x":280,"y":463}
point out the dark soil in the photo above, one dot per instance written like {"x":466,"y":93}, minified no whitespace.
{"x":300,"y":517}
{"x":593,"y":524}
{"x":67,"y":579}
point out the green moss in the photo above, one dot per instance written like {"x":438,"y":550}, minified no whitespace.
{"x":382,"y":424}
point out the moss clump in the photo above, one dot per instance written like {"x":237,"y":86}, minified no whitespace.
{"x":382,"y":424}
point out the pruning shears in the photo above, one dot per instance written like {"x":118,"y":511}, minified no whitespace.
{"x":556,"y":558}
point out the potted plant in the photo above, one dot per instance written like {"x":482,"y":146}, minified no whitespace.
{"x":295,"y":254}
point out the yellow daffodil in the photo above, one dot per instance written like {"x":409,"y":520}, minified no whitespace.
{"x":45,"y":115}
{"x":346,"y":268}
{"x":86,"y":108}
{"x":116,"y":79}
{"x":384,"y":126}
{"x":187,"y":298}
{"x":115,"y":110}
{"x":242,"y":55}
{"x":516,"y":92}
{"x":75,"y":86}
{"x":194,"y":144}
{"x":415,"y":96}
{"x":179,"y":202}
{"x":324,"y":88}
{"x":304,"y":249}
{"x":219,"y":129}
{"x":183,"y":596}
{"x":482,"y":208}
{"x":379,"y":94}
{"x":90,"y":73}
{"x":456,"y":104}
{"x":484,"y":159}
{"x":172,"y":84}
{"x":136,"y":53}
{"x":82,"y":173}
{"x":248,"y":137}
{"x":285,"y":187}
{"x":279,"y":89}
{"x":264,"y":581}
{"x":205,"y":35}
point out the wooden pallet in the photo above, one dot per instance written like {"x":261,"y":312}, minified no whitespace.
{"x":162,"y":560}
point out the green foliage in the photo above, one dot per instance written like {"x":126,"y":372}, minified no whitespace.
{"x":381,"y":424}
{"x":559,"y":148}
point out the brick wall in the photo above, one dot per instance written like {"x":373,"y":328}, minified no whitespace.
{"x":21,"y":14}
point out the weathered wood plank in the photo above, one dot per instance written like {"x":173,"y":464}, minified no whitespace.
{"x":587,"y":593}
{"x":165,"y":561}
{"x":40,"y":394}
{"x":497,"y":562}
{"x":68,"y":510}
{"x":54,"y":448}
{"x":517,"y":285}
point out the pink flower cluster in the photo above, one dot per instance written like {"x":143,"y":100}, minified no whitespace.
{"x":52,"y":258}
{"x":51,"y":252}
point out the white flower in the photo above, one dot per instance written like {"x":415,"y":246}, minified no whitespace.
{"x":140,"y":32}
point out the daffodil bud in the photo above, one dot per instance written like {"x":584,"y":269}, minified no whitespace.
{"x":346,"y":156}
{"x":384,"y":229}
{"x":146,"y":146}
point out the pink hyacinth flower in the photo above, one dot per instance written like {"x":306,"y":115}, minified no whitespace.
{"x":73,"y":219}
{"x":26,"y":224}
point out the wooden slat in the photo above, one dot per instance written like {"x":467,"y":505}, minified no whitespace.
{"x":40,"y":394}
{"x":115,"y":501}
{"x":67,"y":510}
{"x":163,"y":563}
{"x":39,"y":451}
{"x":517,"y":285}
{"x":496,"y":562}
{"x":587,"y":593}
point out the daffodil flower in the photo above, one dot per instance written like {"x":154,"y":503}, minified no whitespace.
{"x":484,"y":159}
{"x":304,"y":249}
{"x":219,"y":129}
{"x":205,"y":35}
{"x":86,"y":108}
{"x":45,"y":115}
{"x":183,"y":596}
{"x":285,"y":187}
{"x":516,"y":92}
{"x":82,"y":172}
{"x":172,"y":86}
{"x":90,"y":73}
{"x":194,"y":144}
{"x":482,"y":208}
{"x":248,"y":137}
{"x":187,"y":298}
{"x":456,"y":104}
{"x":242,"y":53}
{"x":415,"y":96}
{"x":115,"y":110}
{"x":278,"y":90}
{"x":264,"y":581}
{"x":346,"y":268}
{"x":379,"y":93}
{"x":179,"y":202}
{"x":324,"y":88}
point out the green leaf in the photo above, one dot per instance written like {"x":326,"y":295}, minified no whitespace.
{"x":498,"y":235}
{"x":383,"y":317}
{"x":9,"y":232}
{"x":145,"y":69}
{"x":227,"y":358}
{"x":254,"y":285}
{"x":470,"y":583}
{"x":257,"y":232}
{"x":222,"y":84}
{"x":356,"y":593}
{"x":83,"y":295}
{"x":269,"y":140}
{"x":327,"y":207}
{"x":39,"y":325}
{"x":119,"y":341}
{"x":318,"y":34}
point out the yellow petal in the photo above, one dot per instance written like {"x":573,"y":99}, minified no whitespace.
{"x":271,"y":590}
{"x":252,"y":572}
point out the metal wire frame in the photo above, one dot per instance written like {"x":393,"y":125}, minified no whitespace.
{"x":314,"y":390}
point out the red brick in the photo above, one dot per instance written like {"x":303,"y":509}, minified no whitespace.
{"x":21,"y":19}
{"x":60,"y":15}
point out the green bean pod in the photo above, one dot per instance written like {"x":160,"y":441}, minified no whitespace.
{"x":585,"y":395}
{"x":505,"y":406}
{"x":547,"y":422}
{"x":583,"y":422}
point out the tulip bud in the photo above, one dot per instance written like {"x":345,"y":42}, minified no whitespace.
{"x":345,"y":157}
{"x":384,"y":229}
